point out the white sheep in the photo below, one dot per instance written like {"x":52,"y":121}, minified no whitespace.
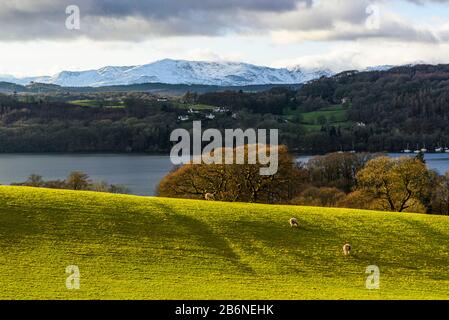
{"x":346,"y":249}
{"x":294,"y":223}
{"x":209,"y":196}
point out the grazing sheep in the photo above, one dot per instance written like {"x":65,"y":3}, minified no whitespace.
{"x":346,"y":249}
{"x":209,"y":196}
{"x":294,"y":223}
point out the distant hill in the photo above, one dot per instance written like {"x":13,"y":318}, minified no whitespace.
{"x":389,"y":109}
{"x":401,"y":107}
{"x":8,"y":87}
{"x":157,"y":88}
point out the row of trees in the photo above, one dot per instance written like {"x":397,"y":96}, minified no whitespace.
{"x":363,"y":181}
{"x":76,"y":180}
{"x":375,"y":182}
{"x":141,"y":124}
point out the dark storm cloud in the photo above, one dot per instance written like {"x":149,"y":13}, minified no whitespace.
{"x":132,"y":19}
{"x":135,"y":20}
{"x":168,"y":8}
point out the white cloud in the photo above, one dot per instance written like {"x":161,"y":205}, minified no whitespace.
{"x":134,"y":20}
{"x":362,"y":54}
{"x":325,"y":33}
{"x":335,"y":20}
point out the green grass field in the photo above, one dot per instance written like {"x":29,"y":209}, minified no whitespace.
{"x":130,"y":247}
{"x":85,"y":103}
{"x":95,"y":104}
{"x":333,"y":115}
{"x":196,"y":107}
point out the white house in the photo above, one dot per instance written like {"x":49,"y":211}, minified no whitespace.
{"x":183,"y":118}
{"x":221,"y":110}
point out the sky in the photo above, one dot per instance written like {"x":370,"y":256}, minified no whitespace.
{"x":43,"y":37}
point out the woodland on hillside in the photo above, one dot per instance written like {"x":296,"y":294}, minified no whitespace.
{"x":405,"y":107}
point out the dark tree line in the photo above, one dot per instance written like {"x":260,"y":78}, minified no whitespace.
{"x":400,"y":107}
{"x":346,"y":180}
{"x":386,"y":111}
{"x":144,"y":123}
{"x":76,"y":180}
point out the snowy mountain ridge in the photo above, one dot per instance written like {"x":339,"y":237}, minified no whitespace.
{"x":170,"y":71}
{"x":177,"y":72}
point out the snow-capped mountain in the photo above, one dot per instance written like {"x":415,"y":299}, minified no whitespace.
{"x":379,"y":68}
{"x":179,"y":72}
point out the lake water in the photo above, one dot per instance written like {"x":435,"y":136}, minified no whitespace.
{"x":436,"y":161}
{"x":139,"y":173}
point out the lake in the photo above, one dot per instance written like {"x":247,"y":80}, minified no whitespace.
{"x":139,"y":173}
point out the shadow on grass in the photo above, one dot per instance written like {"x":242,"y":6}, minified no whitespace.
{"x":426,"y":229}
{"x":424,"y":246}
{"x":205,"y":236}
